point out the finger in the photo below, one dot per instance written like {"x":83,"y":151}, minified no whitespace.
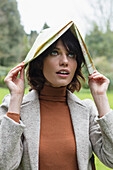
{"x":95,"y":75}
{"x":22,"y":74}
{"x":12,"y":74}
{"x":98,"y":77}
{"x":19,"y":65}
{"x":16,"y":71}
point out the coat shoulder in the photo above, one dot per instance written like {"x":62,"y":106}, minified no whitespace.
{"x":31,"y":96}
{"x":84,"y":102}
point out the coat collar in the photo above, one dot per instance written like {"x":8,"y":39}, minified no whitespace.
{"x":73,"y":97}
{"x":33,"y":95}
{"x":80,"y":121}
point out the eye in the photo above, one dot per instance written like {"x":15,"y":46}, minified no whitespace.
{"x":54,"y":52}
{"x":71,"y":55}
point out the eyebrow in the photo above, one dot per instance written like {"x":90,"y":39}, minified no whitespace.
{"x":56,"y":48}
{"x":69,"y":51}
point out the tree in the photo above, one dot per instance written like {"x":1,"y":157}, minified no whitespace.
{"x":100,"y":43}
{"x":45,"y":26}
{"x":4,"y":46}
{"x":31,"y":37}
{"x":103,"y":13}
{"x":11,"y":33}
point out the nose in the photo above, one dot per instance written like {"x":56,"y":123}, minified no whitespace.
{"x":63,"y":60}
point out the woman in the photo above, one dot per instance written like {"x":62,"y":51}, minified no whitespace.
{"x":50,"y":128}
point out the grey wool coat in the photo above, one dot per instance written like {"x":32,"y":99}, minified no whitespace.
{"x":19,"y":143}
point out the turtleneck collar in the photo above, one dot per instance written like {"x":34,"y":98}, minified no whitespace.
{"x":50,"y":93}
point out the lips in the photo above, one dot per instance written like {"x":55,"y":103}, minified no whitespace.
{"x":63,"y":72}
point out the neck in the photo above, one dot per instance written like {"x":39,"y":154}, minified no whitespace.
{"x":53,"y":93}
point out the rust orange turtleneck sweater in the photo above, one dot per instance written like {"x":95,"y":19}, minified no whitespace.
{"x":57,"y":141}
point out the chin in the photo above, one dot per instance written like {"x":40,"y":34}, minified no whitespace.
{"x":60,"y":84}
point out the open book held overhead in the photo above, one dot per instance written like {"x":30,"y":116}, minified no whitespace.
{"x":48,"y":36}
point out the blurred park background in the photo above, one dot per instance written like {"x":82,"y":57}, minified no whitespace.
{"x":94,"y":20}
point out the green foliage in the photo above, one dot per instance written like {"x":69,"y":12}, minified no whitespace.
{"x":11,"y":33}
{"x":86,"y":94}
{"x":85,"y":74}
{"x":3,"y":73}
{"x":102,"y":13}
{"x":100,"y":47}
{"x":45,"y":26}
{"x":105,"y":67}
{"x":14,"y":42}
{"x":31,"y":37}
{"x":100,"y":43}
{"x":3,"y":93}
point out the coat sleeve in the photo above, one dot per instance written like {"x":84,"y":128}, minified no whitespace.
{"x":101,"y":135}
{"x":10,"y":139}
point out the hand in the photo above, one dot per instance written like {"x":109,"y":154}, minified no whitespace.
{"x":98,"y":83}
{"x":16,"y":85}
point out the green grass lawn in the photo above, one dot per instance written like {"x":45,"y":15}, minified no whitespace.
{"x":83,"y":94}
{"x":3,"y":92}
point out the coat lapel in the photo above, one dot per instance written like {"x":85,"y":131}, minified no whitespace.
{"x":80,"y":121}
{"x":31,"y":119}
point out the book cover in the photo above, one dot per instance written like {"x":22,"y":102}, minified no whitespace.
{"x":50,"y":35}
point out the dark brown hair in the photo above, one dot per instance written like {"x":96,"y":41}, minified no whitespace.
{"x":35,"y":75}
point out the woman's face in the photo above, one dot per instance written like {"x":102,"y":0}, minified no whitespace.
{"x":59,"y":66}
